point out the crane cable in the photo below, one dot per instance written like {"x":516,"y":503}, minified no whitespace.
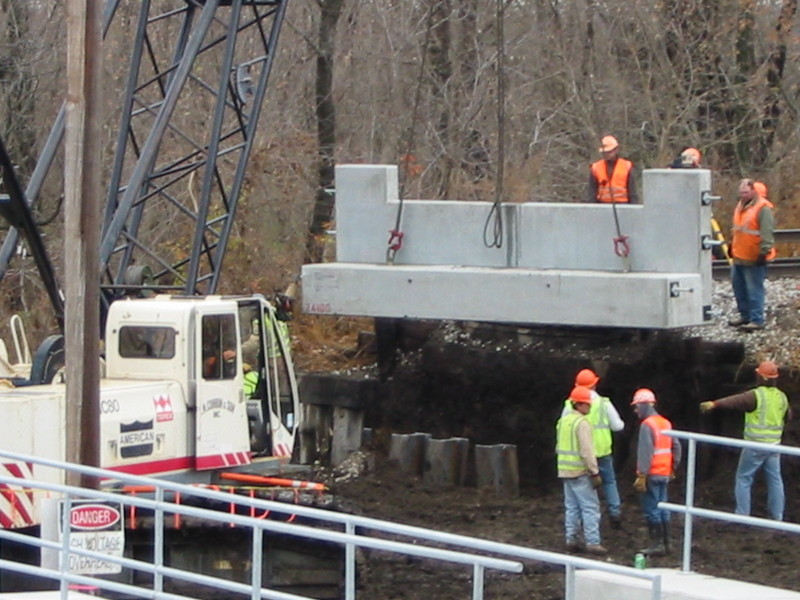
{"x":494,"y":220}
{"x":395,"y":242}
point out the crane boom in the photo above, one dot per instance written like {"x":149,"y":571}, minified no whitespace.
{"x":194,"y":91}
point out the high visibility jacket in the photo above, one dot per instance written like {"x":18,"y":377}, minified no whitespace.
{"x":567,"y":451}
{"x":612,"y":188}
{"x":746,"y":244}
{"x":662,"y":445}
{"x":273,"y":347}
{"x":250,"y":383}
{"x":601,"y":426}
{"x":765,"y":423}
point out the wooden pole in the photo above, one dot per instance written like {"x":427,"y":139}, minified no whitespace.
{"x":82,"y":193}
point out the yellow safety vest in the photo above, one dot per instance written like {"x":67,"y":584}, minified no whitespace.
{"x":273,"y":347}
{"x":568,"y":456}
{"x":601,"y":427}
{"x":765,"y":423}
{"x":250,"y":383}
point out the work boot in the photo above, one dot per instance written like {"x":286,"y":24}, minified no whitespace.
{"x":596,"y":549}
{"x":616,"y":521}
{"x":738,"y":322}
{"x":574,"y":545}
{"x":656,"y":547}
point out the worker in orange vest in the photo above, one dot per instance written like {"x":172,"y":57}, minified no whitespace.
{"x":611,"y":177}
{"x":657,"y":457}
{"x":753,"y":246}
{"x":761,"y":189}
{"x":689,"y":158}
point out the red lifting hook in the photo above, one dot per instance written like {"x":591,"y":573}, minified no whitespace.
{"x":395,"y":240}
{"x":621,"y":247}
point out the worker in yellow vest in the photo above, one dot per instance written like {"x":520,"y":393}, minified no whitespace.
{"x":577,"y":469}
{"x":604,"y":419}
{"x":766,"y":409}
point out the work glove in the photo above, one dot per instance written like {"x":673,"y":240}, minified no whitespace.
{"x":672,"y":475}
{"x":640,"y":485}
{"x":761,"y":260}
{"x":597,"y":481}
{"x":707,"y":406}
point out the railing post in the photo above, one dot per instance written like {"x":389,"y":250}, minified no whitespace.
{"x":256,"y":563}
{"x":63,"y":560}
{"x":691,"y":473}
{"x":349,"y":565}
{"x":477,"y":582}
{"x":655,"y":593}
{"x":158,"y":541}
{"x":569,"y":582}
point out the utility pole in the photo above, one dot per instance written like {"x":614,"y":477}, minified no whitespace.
{"x":82,"y":191}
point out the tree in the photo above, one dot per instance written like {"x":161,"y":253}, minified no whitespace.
{"x":330,"y":11}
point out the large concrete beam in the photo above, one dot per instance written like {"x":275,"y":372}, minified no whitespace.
{"x":557,"y":264}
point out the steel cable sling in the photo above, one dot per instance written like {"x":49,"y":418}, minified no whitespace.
{"x":395,"y":242}
{"x":494,"y":219}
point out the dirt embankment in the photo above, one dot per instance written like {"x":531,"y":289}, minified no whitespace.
{"x":503,"y":385}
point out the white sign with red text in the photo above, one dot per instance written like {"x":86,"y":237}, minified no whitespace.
{"x":98,"y":527}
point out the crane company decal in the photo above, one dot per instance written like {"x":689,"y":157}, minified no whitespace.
{"x":216,"y":405}
{"x":163,"y":406}
{"x":136,"y":439}
{"x":94,"y":527}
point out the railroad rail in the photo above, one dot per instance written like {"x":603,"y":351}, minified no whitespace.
{"x":781,"y":267}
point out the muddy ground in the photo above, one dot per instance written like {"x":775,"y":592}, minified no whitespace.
{"x":509,"y":388}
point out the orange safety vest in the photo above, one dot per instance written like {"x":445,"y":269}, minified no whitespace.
{"x":746,"y":244}
{"x":614,"y":188}
{"x":662,"y":445}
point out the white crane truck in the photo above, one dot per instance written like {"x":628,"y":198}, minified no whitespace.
{"x":173,"y":401}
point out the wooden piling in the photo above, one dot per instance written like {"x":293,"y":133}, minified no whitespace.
{"x":497,"y":468}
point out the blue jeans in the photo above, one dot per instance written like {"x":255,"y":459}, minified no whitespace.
{"x":581,"y":505}
{"x":656,"y":492}
{"x":748,"y":288}
{"x":606,"y":466}
{"x":750,"y":461}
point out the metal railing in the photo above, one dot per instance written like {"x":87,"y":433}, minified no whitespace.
{"x":689,"y":510}
{"x":358,"y":532}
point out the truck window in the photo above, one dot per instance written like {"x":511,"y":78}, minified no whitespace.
{"x":146,"y":342}
{"x":219,"y":346}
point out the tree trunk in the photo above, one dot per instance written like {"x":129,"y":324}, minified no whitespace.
{"x":330,"y":11}
{"x":441,"y":75}
{"x":775,"y":67}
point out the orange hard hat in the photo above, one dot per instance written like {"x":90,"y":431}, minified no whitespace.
{"x":608,"y":143}
{"x":643,"y":396}
{"x":761,"y":188}
{"x":581,"y":394}
{"x":586,"y":378}
{"x":767,"y":369}
{"x":690,"y":157}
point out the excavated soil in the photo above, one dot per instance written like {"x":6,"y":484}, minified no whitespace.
{"x":505,"y":385}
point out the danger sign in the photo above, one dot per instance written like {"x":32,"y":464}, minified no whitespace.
{"x":97,"y":527}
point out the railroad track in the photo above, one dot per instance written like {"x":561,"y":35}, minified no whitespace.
{"x":780,"y":267}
